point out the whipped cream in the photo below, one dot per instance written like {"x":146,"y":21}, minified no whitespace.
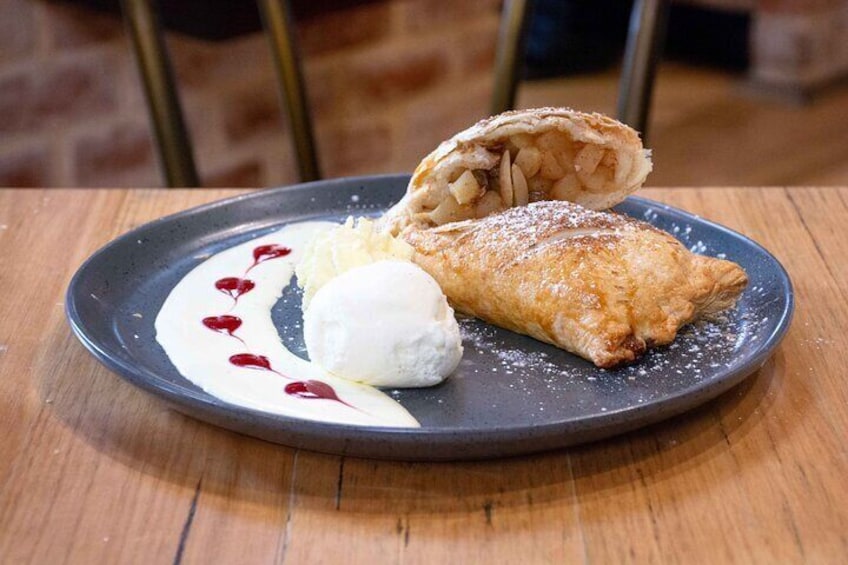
{"x":352,"y":244}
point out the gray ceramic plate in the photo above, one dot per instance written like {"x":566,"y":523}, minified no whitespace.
{"x":510,"y":395}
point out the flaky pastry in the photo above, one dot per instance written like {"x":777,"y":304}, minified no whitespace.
{"x":601,"y":285}
{"x":519,"y":157}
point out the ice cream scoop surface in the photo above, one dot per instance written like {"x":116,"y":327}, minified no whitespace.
{"x":386,"y":324}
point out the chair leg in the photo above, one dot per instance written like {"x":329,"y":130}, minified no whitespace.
{"x":277,"y":21}
{"x":172,"y":141}
{"x":645,"y":39}
{"x":510,"y":54}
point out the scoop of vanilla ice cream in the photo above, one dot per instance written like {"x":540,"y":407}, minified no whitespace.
{"x":352,"y":244}
{"x":385,"y":324}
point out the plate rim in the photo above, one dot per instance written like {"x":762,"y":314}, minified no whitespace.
{"x":436,"y":437}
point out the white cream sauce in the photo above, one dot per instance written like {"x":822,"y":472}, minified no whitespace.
{"x":203,"y":355}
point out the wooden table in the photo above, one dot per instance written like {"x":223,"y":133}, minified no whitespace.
{"x":94,"y":471}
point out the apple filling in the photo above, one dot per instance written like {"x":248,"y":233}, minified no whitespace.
{"x":524,"y":168}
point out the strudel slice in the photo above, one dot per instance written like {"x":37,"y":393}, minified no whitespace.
{"x":519,"y":157}
{"x":601,"y":285}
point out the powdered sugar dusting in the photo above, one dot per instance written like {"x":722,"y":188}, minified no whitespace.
{"x":510,"y":359}
{"x":702,"y":350}
{"x":547,"y":221}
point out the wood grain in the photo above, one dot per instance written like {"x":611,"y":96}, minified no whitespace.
{"x":92,"y":470}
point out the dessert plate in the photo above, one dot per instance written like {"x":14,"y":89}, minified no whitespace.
{"x":510,"y":395}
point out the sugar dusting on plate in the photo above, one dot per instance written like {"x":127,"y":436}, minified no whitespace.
{"x":701,"y":350}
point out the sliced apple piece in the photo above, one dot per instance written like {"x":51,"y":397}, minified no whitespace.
{"x":489,"y":204}
{"x":529,"y":159}
{"x":519,"y":187}
{"x":505,"y":178}
{"x":465,"y":189}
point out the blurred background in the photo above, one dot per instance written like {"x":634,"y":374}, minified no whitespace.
{"x":749,"y":92}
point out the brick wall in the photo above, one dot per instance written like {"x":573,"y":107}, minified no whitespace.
{"x":800,"y":44}
{"x":387,"y":81}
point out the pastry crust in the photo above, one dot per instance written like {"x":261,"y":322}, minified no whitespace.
{"x":519,"y":157}
{"x":601,"y":285}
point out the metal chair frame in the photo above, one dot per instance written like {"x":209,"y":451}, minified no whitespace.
{"x":645,"y":39}
{"x":173,"y":142}
{"x":169,"y":130}
{"x":646,"y":36}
